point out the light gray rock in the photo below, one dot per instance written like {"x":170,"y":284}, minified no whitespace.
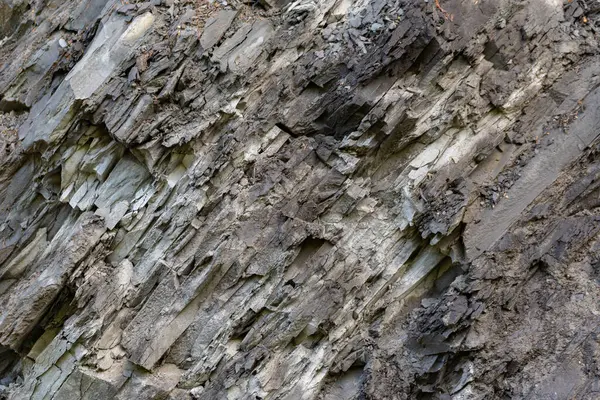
{"x":215,"y":28}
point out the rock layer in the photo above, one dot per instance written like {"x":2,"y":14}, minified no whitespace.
{"x":380,"y":199}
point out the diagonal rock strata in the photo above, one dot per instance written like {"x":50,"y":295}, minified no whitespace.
{"x":298,"y":200}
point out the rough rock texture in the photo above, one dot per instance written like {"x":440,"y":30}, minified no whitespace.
{"x":307,"y":199}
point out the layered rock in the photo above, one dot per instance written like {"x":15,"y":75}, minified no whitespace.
{"x":302,"y":200}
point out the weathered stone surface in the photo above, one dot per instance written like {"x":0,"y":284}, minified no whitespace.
{"x":215,"y":28}
{"x":299,"y":200}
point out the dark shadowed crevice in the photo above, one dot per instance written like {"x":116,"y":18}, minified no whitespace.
{"x":10,"y":105}
{"x":50,"y":324}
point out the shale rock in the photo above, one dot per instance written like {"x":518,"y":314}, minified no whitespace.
{"x":333,"y":199}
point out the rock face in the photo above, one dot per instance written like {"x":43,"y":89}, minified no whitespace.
{"x":333,"y":199}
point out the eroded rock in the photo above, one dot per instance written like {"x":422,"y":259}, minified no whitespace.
{"x":315,"y":200}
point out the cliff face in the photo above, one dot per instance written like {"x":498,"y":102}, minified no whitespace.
{"x":333,"y":199}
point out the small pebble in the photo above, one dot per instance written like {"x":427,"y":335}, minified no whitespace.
{"x":62,"y":43}
{"x":376,"y":27}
